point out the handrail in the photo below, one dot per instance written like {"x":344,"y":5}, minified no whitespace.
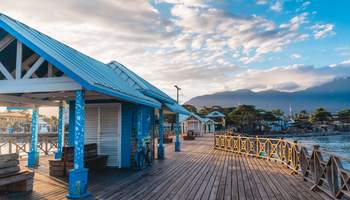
{"x":328,"y":175}
{"x":20,"y":143}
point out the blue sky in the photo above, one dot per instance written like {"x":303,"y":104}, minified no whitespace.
{"x":202,"y":45}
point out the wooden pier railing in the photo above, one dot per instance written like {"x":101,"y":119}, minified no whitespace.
{"x":20,"y":143}
{"x":323,"y":170}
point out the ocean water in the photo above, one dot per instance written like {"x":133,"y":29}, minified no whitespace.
{"x":338,"y":145}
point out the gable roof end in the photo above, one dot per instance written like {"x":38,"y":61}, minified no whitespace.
{"x":88,"y":72}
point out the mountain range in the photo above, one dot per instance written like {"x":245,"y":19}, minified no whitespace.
{"x":333,"y":96}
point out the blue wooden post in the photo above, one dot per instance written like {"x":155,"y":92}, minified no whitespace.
{"x":161,"y":135}
{"x":139,"y":138}
{"x":60,"y":132}
{"x":78,"y":177}
{"x":33,"y":155}
{"x":71,"y":123}
{"x":177,"y":132}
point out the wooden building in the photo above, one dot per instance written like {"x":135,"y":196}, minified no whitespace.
{"x":197,"y":125}
{"x":218,"y":118}
{"x":108,"y":104}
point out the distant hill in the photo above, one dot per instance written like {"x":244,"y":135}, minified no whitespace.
{"x":333,"y":96}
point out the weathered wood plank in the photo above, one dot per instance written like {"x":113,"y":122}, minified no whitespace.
{"x":197,"y":172}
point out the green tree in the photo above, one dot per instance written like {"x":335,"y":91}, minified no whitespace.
{"x":321,"y":115}
{"x":277,"y":112}
{"x":245,"y":117}
{"x":205,"y":110}
{"x":268,"y":116}
{"x":344,"y":115}
{"x":190,"y":108}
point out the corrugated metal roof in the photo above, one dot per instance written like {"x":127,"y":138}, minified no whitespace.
{"x":139,"y":83}
{"x":177,"y":108}
{"x":146,"y":88}
{"x":90,"y":73}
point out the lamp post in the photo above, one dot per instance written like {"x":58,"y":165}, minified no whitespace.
{"x":177,"y":93}
{"x":177,"y":129}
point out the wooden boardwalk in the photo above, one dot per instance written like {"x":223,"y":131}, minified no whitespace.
{"x":197,"y":172}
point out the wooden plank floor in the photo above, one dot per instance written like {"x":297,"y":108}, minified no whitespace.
{"x":197,"y":172}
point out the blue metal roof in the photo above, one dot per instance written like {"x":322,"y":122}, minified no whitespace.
{"x":139,"y":83}
{"x":146,"y":88}
{"x":177,"y":108}
{"x":185,"y":117}
{"x":215,"y":114}
{"x":88,"y":72}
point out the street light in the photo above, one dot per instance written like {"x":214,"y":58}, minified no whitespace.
{"x":177,"y":93}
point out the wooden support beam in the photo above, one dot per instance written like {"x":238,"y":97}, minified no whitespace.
{"x":6,"y":73}
{"x":19,"y":60}
{"x":53,"y":84}
{"x":68,"y":95}
{"x":27,"y":63}
{"x":24,"y":101}
{"x":6,"y":41}
{"x":35,"y":66}
{"x":49,"y":70}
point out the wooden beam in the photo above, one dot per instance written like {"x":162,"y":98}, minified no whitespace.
{"x":53,"y":84}
{"x":6,"y":41}
{"x":26,"y":101}
{"x":5,"y":72}
{"x":49,"y":70}
{"x":69,"y":95}
{"x":27,"y":63}
{"x":35,"y":66}
{"x":19,"y":60}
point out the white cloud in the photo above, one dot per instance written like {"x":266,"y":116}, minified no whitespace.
{"x":261,"y":2}
{"x":277,"y":6}
{"x":306,"y":4}
{"x":249,"y":36}
{"x":295,"y":56}
{"x":289,"y":78}
{"x":322,"y":30}
{"x":195,"y":48}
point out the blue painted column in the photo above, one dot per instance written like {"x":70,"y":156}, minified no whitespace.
{"x":177,"y":132}
{"x":161,"y":135}
{"x":33,"y":155}
{"x":71,"y":123}
{"x":60,"y":132}
{"x":78,"y":177}
{"x":139,"y":156}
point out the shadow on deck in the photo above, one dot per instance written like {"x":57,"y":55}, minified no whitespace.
{"x":197,"y":172}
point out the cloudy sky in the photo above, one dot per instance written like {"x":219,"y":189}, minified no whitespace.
{"x":204,"y":46}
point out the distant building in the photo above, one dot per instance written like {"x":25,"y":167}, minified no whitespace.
{"x":12,"y":121}
{"x":323,"y":128}
{"x":197,"y":125}
{"x":218,"y":118}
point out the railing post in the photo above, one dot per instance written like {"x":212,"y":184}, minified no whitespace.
{"x":295,"y":155}
{"x":257,"y":146}
{"x":316,"y":166}
{"x":239,"y":143}
{"x":334,"y":175}
{"x":33,"y":155}
{"x":10,"y":145}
